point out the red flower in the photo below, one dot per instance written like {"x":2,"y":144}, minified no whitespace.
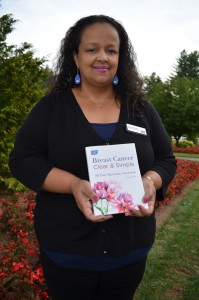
{"x":21,"y":233}
{"x":17,"y":266}
{"x":3,"y":274}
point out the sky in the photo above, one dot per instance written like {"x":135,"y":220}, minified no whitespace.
{"x":158,"y":29}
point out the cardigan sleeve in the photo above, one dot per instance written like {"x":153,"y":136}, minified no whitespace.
{"x":28,"y":161}
{"x":164,"y":160}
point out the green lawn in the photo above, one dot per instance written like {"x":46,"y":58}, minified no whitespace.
{"x":188,"y":155}
{"x":172,"y":271}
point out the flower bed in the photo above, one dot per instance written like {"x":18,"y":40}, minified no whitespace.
{"x":21,"y":276}
{"x":187,"y":171}
{"x":190,"y":150}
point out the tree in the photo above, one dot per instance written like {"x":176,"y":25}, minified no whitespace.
{"x":23,"y":80}
{"x":6,"y":27}
{"x":182,"y":115}
{"x":177,"y":103}
{"x":187,"y":65}
{"x":150,"y":82}
{"x":158,"y":93}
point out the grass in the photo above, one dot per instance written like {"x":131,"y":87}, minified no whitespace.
{"x":188,"y":155}
{"x":172,"y":271}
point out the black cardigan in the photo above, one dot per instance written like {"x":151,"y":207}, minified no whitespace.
{"x":56,"y":133}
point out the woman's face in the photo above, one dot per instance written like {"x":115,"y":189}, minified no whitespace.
{"x":98,"y":54}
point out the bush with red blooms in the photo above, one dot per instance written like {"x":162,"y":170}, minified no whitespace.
{"x":21,"y":275}
{"x":187,"y":171}
{"x":190,"y":150}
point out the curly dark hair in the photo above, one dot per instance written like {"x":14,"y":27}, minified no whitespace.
{"x":129,"y":90}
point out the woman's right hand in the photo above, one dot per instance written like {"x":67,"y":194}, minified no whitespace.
{"x":83,"y":194}
{"x":60,"y":181}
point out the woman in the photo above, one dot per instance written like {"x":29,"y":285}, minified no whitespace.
{"x":95,"y":93}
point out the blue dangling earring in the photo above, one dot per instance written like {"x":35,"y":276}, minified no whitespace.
{"x":77,"y":78}
{"x":115,"y":80}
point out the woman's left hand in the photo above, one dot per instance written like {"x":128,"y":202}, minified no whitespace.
{"x":149,"y":197}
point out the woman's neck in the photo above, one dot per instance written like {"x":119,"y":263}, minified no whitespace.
{"x":96,"y":96}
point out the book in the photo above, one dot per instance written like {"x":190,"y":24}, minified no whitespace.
{"x":114,"y":175}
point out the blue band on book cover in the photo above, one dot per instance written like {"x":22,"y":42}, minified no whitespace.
{"x":114,"y":175}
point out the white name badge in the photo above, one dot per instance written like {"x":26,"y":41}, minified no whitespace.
{"x":136,"y":129}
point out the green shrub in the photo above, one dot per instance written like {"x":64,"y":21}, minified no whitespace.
{"x":186,"y":144}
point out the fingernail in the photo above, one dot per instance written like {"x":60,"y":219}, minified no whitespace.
{"x":145,"y":200}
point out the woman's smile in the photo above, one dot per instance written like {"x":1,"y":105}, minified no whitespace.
{"x":101,"y":69}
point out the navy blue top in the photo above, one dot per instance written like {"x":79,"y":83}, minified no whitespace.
{"x":105,"y":130}
{"x":97,"y":263}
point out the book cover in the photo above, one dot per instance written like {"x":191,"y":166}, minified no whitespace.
{"x":115,"y":178}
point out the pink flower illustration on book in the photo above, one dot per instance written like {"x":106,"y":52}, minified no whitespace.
{"x":108,"y":197}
